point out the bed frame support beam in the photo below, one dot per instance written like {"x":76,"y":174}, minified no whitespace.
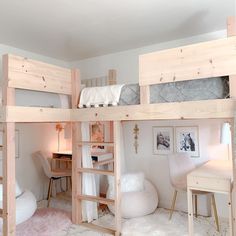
{"x":9,"y":202}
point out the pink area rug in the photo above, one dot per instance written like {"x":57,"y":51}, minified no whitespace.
{"x":45,"y":222}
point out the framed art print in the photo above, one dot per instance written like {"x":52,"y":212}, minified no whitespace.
{"x":186,"y":139}
{"x":163,"y":140}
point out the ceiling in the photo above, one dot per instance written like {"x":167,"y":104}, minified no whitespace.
{"x":76,"y":29}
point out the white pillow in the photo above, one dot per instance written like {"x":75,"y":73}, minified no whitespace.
{"x":132,"y":182}
{"x":18,"y":191}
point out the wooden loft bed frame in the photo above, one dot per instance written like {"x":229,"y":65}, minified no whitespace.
{"x":213,"y":58}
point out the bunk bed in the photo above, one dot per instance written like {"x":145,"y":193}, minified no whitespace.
{"x":203,"y":60}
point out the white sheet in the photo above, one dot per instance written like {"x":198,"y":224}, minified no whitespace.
{"x":96,"y":96}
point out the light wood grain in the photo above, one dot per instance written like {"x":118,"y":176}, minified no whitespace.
{"x":95,"y":171}
{"x":102,"y":229}
{"x":117,"y":172}
{"x":96,"y":199}
{"x":29,"y":74}
{"x":206,"y":109}
{"x":9,"y":201}
{"x":202,"y":60}
{"x":145,"y":94}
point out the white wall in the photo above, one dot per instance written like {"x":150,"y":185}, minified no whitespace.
{"x":33,"y":137}
{"x":156,"y":167}
{"x":126,"y":62}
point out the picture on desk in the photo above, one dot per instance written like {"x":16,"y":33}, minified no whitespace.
{"x":162,"y":140}
{"x":97,"y":134}
{"x":187,"y":140}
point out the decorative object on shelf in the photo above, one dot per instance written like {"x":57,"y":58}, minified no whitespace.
{"x":225,"y":137}
{"x":163,"y":141}
{"x":59,"y":128}
{"x":97,"y":134}
{"x":187,"y":140}
{"x":136,"y":133}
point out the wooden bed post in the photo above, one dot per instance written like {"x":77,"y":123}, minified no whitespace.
{"x":76,"y":152}
{"x":9,"y":205}
{"x":231,"y":31}
{"x":111,"y":77}
{"x":117,"y":168}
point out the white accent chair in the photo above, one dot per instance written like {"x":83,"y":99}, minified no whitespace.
{"x":50,"y":173}
{"x":180,"y":165}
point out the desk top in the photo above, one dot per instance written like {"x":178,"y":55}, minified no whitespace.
{"x":214,"y":169}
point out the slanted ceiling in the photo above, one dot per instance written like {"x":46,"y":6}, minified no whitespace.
{"x":78,"y":29}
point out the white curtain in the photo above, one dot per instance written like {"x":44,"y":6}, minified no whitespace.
{"x":89,"y":209}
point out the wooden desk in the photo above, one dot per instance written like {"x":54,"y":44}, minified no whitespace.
{"x":215,"y":176}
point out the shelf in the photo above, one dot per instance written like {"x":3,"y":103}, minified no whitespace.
{"x":105,"y":162}
{"x":96,"y":199}
{"x":109,"y":144}
{"x":95,"y":171}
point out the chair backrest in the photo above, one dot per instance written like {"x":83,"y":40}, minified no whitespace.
{"x":180,"y":164}
{"x":44,"y":162}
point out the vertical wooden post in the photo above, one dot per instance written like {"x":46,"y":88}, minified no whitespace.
{"x":9,"y":204}
{"x":76,"y":152}
{"x":231,"y":31}
{"x":111,"y":77}
{"x":145,"y":94}
{"x":117,"y":167}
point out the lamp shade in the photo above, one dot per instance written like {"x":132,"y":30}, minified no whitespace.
{"x":225,"y":137}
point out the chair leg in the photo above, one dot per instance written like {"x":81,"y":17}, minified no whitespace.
{"x":215,"y":212}
{"x":49,"y":191}
{"x":173,"y":204}
{"x":195,"y":204}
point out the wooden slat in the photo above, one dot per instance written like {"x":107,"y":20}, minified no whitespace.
{"x":144,"y":94}
{"x":95,"y":171}
{"x":206,"y":109}
{"x":202,"y":60}
{"x":109,"y":144}
{"x":36,"y":114}
{"x":29,"y":74}
{"x":111,"y":77}
{"x":99,"y":228}
{"x":76,"y":153}
{"x":117,"y":172}
{"x":105,"y":162}
{"x":9,"y":178}
{"x":101,"y":200}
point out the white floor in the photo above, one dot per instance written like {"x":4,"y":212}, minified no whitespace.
{"x":156,"y":224}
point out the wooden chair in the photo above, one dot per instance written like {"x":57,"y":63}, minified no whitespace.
{"x":50,"y":173}
{"x":180,"y":164}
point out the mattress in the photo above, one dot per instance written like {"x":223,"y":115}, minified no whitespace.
{"x":191,"y":90}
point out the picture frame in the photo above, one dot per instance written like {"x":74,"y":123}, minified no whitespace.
{"x":97,"y":134}
{"x":187,"y":140}
{"x":163,"y":140}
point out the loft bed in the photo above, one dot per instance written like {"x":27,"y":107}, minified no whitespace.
{"x":204,"y":60}
{"x":195,"y":62}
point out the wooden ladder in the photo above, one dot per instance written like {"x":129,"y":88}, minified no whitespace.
{"x":78,"y":170}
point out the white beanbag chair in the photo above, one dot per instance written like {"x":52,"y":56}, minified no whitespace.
{"x":136,"y":203}
{"x":26,"y":205}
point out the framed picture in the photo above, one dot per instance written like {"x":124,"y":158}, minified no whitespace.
{"x":163,"y":140}
{"x":187,"y":140}
{"x":97,"y":134}
{"x":17,"y":140}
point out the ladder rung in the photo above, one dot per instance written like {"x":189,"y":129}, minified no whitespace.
{"x":96,"y":143}
{"x":101,"y":200}
{"x":99,"y":228}
{"x":96,"y":171}
{"x":104,"y":162}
